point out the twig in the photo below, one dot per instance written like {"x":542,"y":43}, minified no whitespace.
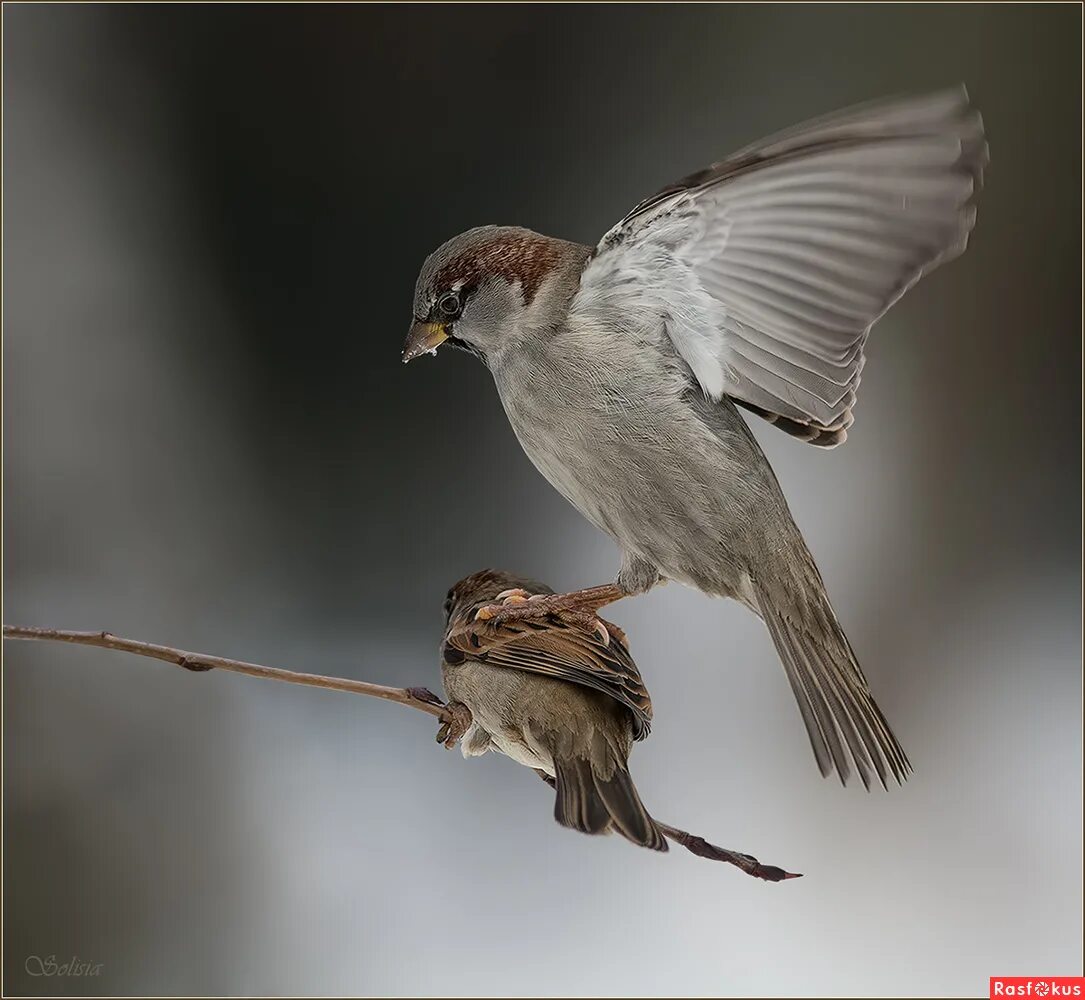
{"x":703,"y":849}
{"x":419,"y":697}
{"x":455,"y":718}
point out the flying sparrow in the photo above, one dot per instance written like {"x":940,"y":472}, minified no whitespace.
{"x":563,"y":696}
{"x":751,"y":283}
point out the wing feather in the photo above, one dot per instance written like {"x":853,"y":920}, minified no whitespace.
{"x":768,"y":269}
{"x":564,"y":650}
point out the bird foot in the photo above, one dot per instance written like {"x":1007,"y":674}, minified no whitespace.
{"x":506,"y":599}
{"x":578,"y":607}
{"x":452,"y":731}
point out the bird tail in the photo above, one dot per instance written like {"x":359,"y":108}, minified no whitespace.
{"x":591,"y":803}
{"x":834,"y":698}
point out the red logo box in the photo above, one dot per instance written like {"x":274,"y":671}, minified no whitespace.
{"x":1037,"y":986}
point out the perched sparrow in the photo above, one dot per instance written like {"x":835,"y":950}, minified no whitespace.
{"x":562,"y":696}
{"x":752,"y":283}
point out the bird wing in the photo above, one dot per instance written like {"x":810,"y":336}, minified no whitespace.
{"x":769,"y":267}
{"x":557,"y":648}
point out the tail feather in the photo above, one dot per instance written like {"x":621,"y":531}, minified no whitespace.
{"x":591,"y":804}
{"x":627,"y":812}
{"x":824,"y":740}
{"x":842,"y":719}
{"x":578,"y":805}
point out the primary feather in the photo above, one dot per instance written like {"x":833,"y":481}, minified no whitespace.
{"x":779,"y":258}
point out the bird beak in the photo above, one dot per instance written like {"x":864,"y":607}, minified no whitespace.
{"x":424,"y":338}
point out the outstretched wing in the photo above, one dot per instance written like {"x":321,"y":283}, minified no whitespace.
{"x":558,"y":648}
{"x":770,"y":267}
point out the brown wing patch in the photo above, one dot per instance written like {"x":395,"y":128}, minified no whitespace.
{"x":559,"y":649}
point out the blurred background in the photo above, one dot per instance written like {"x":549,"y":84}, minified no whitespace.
{"x":214,"y":219}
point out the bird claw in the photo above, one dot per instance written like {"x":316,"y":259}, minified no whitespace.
{"x":604,"y":631}
{"x":506,"y":599}
{"x":619,"y":634}
{"x":453,"y":729}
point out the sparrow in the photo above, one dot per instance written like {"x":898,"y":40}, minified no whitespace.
{"x":562,"y":695}
{"x":752,"y":283}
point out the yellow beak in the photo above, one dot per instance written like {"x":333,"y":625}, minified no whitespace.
{"x":424,"y":338}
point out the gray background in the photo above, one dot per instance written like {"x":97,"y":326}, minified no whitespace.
{"x":214,"y":218}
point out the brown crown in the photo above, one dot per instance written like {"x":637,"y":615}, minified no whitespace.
{"x":525,"y":258}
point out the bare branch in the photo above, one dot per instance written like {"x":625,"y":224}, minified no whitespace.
{"x":421,"y":698}
{"x":703,"y":849}
{"x":455,"y":717}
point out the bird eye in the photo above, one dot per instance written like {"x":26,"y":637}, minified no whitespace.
{"x":449,"y":305}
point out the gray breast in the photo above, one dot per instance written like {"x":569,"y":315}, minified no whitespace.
{"x":618,"y":430}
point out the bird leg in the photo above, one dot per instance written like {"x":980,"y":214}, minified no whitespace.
{"x":578,"y":606}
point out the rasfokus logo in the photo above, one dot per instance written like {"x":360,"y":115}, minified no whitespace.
{"x":1043,"y":987}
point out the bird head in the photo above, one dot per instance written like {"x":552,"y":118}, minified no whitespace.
{"x":485,"y":289}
